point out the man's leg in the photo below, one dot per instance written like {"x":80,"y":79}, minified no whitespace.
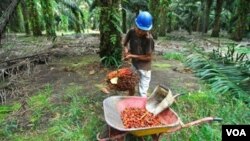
{"x":145,"y":77}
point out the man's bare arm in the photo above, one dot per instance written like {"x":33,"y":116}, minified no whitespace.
{"x":147,"y":57}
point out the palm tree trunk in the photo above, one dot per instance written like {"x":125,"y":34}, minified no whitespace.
{"x":162,"y":26}
{"x":241,"y":23}
{"x":198,"y":24}
{"x":216,"y":27}
{"x":154,"y":10}
{"x":25,"y":17}
{"x":16,"y":21}
{"x":110,"y":33}
{"x":170,"y":16}
{"x":206,"y":15}
{"x":163,"y":17}
{"x":4,"y":19}
{"x":124,"y":21}
{"x":78,"y":21}
{"x":48,"y":17}
{"x":4,"y":5}
{"x":34,"y":18}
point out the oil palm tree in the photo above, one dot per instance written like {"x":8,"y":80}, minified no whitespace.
{"x":72,"y":10}
{"x":241,"y":19}
{"x":34,"y":18}
{"x":216,"y":27}
{"x":4,"y":19}
{"x":48,"y":17}
{"x":110,"y":33}
{"x":25,"y":17}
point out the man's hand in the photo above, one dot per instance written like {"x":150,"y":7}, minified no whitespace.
{"x":128,"y":56}
{"x":125,"y":53}
{"x":125,"y":50}
{"x":139,"y":57}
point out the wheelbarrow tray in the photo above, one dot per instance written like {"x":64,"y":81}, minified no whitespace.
{"x":114,"y":105}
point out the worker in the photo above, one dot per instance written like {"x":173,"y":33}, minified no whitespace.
{"x":138,"y":47}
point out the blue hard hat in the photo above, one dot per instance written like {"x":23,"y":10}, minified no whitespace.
{"x":144,"y":21}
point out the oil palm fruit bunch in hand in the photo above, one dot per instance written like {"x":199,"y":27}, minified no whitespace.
{"x":122,"y":79}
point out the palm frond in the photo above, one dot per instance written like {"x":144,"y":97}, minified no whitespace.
{"x":115,"y":19}
{"x":72,"y":5}
{"x":222,"y":79}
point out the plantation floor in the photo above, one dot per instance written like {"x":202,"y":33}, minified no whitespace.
{"x":73,"y":75}
{"x":74,"y":59}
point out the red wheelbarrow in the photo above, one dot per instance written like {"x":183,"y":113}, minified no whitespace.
{"x":114,"y":105}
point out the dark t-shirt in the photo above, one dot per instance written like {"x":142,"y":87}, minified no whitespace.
{"x":139,"y":46}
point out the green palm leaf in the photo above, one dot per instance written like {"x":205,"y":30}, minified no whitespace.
{"x":222,"y":78}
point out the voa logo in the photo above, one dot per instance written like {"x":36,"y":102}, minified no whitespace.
{"x":236,"y":132}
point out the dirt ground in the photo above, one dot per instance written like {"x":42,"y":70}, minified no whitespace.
{"x":173,"y":75}
{"x":74,"y":48}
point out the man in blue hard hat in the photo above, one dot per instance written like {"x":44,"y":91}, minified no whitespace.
{"x":139,"y":45}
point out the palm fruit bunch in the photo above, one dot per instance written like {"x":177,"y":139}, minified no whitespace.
{"x":122,"y":79}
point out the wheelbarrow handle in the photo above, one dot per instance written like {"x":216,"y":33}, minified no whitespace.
{"x":203,"y":120}
{"x":193,"y":123}
{"x":218,"y":119}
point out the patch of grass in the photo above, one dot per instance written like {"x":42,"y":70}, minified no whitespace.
{"x":78,"y":117}
{"x":74,"y":119}
{"x":93,"y":125}
{"x":173,"y":56}
{"x":7,"y":128}
{"x":174,"y":38}
{"x":81,"y":114}
{"x":205,"y":103}
{"x":66,"y":129}
{"x":38,"y":109}
{"x":41,"y":99}
{"x":161,"y":66}
{"x":77,"y":63}
{"x":39,"y":102}
{"x":77,"y":120}
{"x":32,"y":136}
{"x":176,"y":87}
{"x":5,"y":110}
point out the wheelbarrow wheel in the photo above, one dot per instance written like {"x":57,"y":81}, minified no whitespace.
{"x":110,"y":134}
{"x":130,"y":137}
